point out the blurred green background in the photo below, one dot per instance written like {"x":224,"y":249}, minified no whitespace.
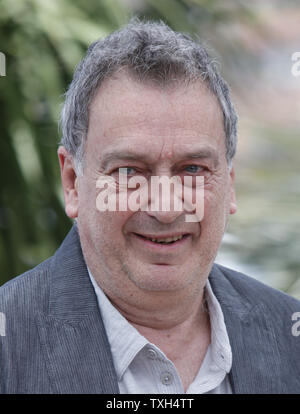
{"x":43,"y":40}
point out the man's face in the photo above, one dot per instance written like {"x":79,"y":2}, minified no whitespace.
{"x":153,"y":132}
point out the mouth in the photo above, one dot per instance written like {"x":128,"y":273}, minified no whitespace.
{"x":166,"y":240}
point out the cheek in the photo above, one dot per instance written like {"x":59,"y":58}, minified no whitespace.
{"x":100,"y":224}
{"x":113,"y":223}
{"x":107,"y":227}
{"x":87,"y":193}
{"x":217,"y":203}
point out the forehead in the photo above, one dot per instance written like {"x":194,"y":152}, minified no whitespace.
{"x":140,"y":116}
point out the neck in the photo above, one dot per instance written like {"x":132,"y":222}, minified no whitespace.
{"x":161,"y":310}
{"x":179,"y":325}
{"x":183,"y":338}
{"x":176,"y":330}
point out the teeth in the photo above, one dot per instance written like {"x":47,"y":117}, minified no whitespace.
{"x":167,"y":240}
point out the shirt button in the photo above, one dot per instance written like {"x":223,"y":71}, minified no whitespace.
{"x":151,"y":354}
{"x":166,"y":378}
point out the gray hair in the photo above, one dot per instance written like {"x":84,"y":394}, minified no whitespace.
{"x":149,"y":51}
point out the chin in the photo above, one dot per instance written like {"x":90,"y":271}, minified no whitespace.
{"x":161,"y":278}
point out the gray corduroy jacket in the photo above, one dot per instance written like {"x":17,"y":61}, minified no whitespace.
{"x":55,"y":341}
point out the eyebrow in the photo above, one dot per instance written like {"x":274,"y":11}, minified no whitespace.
{"x":117,"y":155}
{"x":122,"y":155}
{"x":203,"y":154}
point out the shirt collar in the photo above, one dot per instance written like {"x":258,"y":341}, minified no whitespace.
{"x":126,"y":342}
{"x":220,"y":345}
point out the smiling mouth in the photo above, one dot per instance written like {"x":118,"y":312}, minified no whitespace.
{"x":165,"y":240}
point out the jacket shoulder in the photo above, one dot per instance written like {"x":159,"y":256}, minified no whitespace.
{"x":26,"y":291}
{"x":255,"y":291}
{"x":21,"y":300}
{"x":263,"y":330}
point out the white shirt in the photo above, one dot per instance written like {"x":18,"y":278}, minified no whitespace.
{"x":142,"y":368}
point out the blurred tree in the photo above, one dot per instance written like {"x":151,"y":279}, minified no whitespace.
{"x":42,"y":42}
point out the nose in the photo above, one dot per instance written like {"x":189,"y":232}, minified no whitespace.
{"x":165,"y":199}
{"x":165,"y":216}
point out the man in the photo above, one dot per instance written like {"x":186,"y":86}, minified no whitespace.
{"x":132,"y":301}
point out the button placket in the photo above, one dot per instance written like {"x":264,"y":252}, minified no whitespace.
{"x":166,"y":378}
{"x":151,"y":353}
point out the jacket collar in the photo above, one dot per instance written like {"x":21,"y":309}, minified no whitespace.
{"x":72,"y":335}
{"x":256,"y":359}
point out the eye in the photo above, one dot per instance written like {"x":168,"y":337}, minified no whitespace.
{"x":126,"y":170}
{"x":193,"y":169}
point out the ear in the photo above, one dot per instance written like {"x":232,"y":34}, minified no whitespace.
{"x":69,"y":182}
{"x":233,"y":205}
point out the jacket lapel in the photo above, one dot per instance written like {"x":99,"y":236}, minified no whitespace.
{"x":255,"y":355}
{"x":72,"y":335}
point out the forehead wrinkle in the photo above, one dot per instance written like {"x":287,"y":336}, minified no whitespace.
{"x":118,"y":155}
{"x":203,"y":154}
